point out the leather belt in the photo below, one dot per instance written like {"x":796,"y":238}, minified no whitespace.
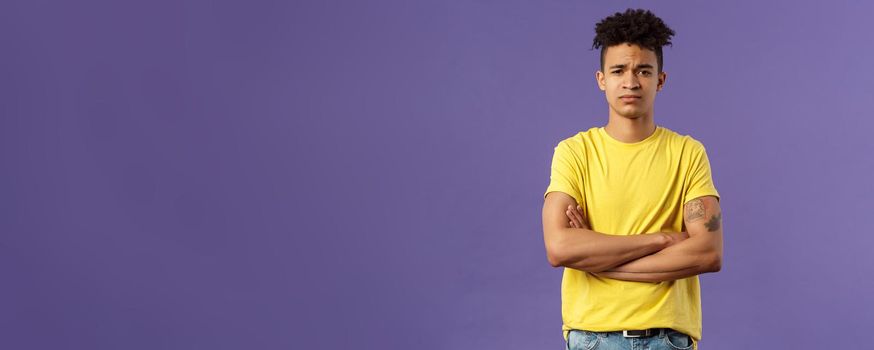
{"x":644,"y":332}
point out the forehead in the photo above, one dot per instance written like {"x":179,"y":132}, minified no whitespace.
{"x":629,"y":54}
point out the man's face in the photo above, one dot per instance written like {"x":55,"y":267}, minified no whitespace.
{"x":630,"y":80}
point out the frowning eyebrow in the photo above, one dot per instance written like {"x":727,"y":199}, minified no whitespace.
{"x":639,"y":66}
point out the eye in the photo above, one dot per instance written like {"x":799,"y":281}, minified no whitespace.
{"x":616,"y":71}
{"x":645,"y":73}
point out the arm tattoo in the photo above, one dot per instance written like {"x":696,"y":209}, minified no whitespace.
{"x":713,"y":224}
{"x":694,"y":210}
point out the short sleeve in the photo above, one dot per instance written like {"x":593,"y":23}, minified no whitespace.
{"x":565,"y":174}
{"x":700,"y":179}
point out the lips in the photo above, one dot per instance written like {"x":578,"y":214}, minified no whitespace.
{"x":629,"y":98}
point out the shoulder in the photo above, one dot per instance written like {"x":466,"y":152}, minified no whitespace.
{"x":686,"y":143}
{"x":577,"y":143}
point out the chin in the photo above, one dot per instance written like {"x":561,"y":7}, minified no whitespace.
{"x":630,"y":114}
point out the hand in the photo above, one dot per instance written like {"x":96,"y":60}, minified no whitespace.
{"x":575,"y":215}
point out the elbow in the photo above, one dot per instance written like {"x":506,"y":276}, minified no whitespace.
{"x":554,"y":257}
{"x":558,"y":254}
{"x":558,"y":258}
{"x":553,"y":261}
{"x":716,"y":263}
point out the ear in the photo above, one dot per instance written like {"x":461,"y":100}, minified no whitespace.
{"x":662,"y":77}
{"x":599,"y":77}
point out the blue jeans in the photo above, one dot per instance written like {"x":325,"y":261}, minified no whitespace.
{"x":586,"y":340}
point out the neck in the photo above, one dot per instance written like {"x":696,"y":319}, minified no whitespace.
{"x":630,"y":130}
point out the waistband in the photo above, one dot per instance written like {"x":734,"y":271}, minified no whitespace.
{"x":637,"y":333}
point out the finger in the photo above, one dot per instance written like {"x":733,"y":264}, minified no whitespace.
{"x":576,"y":222}
{"x":572,"y":224}
{"x":573,"y":219}
{"x":582,"y":219}
{"x":578,"y":215}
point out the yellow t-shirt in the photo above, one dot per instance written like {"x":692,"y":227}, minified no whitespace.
{"x":630,"y":189}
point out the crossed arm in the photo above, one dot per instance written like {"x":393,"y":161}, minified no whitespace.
{"x":652,"y":257}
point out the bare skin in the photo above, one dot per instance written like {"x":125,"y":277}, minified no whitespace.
{"x":630,"y":71}
{"x":576,"y":220}
{"x":701,"y":253}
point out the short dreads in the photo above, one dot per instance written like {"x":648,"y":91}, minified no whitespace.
{"x":639,"y":27}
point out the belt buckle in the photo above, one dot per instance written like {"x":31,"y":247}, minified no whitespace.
{"x":635,"y":333}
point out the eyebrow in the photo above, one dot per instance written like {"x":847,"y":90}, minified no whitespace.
{"x":639,"y":66}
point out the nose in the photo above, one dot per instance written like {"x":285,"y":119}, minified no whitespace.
{"x":631,"y":81}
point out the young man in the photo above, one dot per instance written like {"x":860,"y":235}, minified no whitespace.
{"x":631,"y":211}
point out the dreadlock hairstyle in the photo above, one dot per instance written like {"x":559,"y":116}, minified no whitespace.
{"x":639,"y":27}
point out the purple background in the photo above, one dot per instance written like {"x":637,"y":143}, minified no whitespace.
{"x":326,"y":174}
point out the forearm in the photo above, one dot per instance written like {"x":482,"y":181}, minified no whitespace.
{"x":652,"y":277}
{"x":592,"y":251}
{"x":690,"y":257}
